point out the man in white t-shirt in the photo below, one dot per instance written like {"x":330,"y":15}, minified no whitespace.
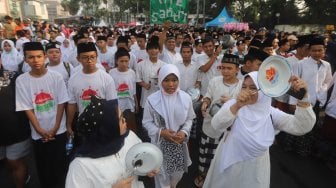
{"x":124,"y":79}
{"x":111,"y":42}
{"x":198,"y":49}
{"x":54,"y":61}
{"x":221,"y":89}
{"x":122,"y":42}
{"x":78,"y":38}
{"x":208,"y":63}
{"x":141,"y":53}
{"x":190,"y":76}
{"x":147,"y":72}
{"x":42,"y":95}
{"x":86,"y":82}
{"x":105,"y":55}
{"x":167,"y":43}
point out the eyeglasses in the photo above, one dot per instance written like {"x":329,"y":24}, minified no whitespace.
{"x":89,"y":58}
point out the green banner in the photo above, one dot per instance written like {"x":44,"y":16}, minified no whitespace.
{"x":173,"y":10}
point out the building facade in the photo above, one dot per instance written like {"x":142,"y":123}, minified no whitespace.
{"x":55,"y":9}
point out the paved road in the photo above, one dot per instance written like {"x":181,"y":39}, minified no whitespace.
{"x":288,"y":170}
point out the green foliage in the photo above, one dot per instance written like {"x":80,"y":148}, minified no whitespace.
{"x":70,"y":5}
{"x":321,"y":11}
{"x":255,"y":12}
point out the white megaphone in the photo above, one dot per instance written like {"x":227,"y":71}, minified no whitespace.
{"x":143,"y":158}
{"x":273,"y":76}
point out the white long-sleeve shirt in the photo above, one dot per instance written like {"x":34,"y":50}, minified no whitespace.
{"x":317,"y":77}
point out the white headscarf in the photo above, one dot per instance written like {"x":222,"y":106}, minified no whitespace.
{"x":65,"y":51}
{"x":172,"y":107}
{"x":10,"y":60}
{"x":252,"y":132}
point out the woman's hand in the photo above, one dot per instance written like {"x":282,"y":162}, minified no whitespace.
{"x":168,"y":135}
{"x":124,"y":183}
{"x":297,"y":84}
{"x":179,"y":137}
{"x":246,"y":97}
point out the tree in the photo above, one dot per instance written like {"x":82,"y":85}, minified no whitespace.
{"x":70,"y":5}
{"x":322,"y":11}
{"x":134,"y":7}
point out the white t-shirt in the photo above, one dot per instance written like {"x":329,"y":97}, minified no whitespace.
{"x":189,"y":75}
{"x":42,"y":95}
{"x":113,"y":49}
{"x":140,"y":55}
{"x":107,"y":58}
{"x":212,"y":72}
{"x":104,"y":172}
{"x":135,"y":46}
{"x":60,"y":68}
{"x":148,"y":72}
{"x":19,"y":44}
{"x":72,"y":58}
{"x":317,"y":79}
{"x":81,"y":86}
{"x":196,"y":55}
{"x":170,"y":58}
{"x":125,"y":88}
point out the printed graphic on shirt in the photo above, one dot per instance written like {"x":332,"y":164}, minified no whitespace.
{"x":86,"y":96}
{"x":139,"y":60}
{"x":44,"y":101}
{"x":105,"y":64}
{"x":123,"y":90}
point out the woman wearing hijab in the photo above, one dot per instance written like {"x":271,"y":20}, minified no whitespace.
{"x":65,"y":47}
{"x":99,"y":160}
{"x":168,"y":116}
{"x":242,"y":159}
{"x":10,"y":57}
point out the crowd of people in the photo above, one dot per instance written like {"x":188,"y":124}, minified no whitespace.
{"x":110,"y":88}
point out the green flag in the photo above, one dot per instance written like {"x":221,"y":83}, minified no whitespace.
{"x":173,"y":10}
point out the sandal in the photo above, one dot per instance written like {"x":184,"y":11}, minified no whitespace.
{"x":199,"y":181}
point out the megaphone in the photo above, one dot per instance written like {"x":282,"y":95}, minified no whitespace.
{"x":273,"y":76}
{"x":143,"y":158}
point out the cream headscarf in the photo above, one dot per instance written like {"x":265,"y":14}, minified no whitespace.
{"x":172,"y":107}
{"x":10,"y":60}
{"x":252,"y":132}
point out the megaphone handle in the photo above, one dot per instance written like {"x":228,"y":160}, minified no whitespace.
{"x":297,"y":94}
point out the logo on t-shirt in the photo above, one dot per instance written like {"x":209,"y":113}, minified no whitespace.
{"x":123,"y":90}
{"x":44,"y":102}
{"x":86,"y":96}
{"x":105,"y":64}
{"x":139,"y":60}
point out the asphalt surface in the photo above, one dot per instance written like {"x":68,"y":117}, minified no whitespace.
{"x":288,"y":170}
